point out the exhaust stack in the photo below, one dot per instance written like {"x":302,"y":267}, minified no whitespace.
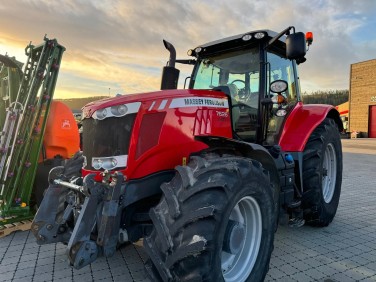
{"x":170,"y":74}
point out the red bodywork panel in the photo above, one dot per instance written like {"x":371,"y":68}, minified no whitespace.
{"x":165,"y":127}
{"x":299,"y":125}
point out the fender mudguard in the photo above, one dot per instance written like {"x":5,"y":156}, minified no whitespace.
{"x":249,"y":150}
{"x":302,"y":121}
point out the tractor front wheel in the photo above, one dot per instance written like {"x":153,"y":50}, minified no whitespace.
{"x":322,"y":174}
{"x":215,"y":222}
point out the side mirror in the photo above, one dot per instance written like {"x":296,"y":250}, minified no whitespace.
{"x":278,"y":86}
{"x":296,"y":46}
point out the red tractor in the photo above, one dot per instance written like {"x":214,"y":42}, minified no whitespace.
{"x":205,"y":174}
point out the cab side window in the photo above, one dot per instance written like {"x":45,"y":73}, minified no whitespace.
{"x":280,"y":68}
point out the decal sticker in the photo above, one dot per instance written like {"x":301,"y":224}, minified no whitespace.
{"x":222,"y":114}
{"x":162,"y":105}
{"x":65,"y":124}
{"x":152,"y":105}
{"x":195,"y":101}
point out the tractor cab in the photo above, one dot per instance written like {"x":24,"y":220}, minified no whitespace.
{"x":258,"y":73}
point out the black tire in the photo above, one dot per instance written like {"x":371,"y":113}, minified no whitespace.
{"x":41,"y":178}
{"x":69,"y":168}
{"x":322,"y":164}
{"x":73,"y":166}
{"x":192,"y":220}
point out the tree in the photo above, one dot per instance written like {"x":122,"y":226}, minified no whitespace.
{"x":331,"y":97}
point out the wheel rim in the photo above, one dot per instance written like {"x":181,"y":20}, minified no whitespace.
{"x":242,"y":240}
{"x":329,"y":173}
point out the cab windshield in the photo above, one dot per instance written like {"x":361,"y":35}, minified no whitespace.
{"x":237,"y":74}
{"x":240,"y":68}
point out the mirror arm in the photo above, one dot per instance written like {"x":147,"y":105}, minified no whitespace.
{"x":186,"y":62}
{"x":279,"y":35}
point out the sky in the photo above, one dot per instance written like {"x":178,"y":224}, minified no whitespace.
{"x":115,"y":46}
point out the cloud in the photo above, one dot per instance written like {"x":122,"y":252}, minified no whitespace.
{"x":118,"y":44}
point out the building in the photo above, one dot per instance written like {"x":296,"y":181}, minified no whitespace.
{"x":362,"y":98}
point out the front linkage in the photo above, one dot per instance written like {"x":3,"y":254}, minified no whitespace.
{"x":66,"y":215}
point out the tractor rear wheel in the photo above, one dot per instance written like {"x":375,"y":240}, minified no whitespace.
{"x":215,"y":222}
{"x":322,"y":174}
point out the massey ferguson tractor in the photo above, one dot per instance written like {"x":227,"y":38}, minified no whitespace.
{"x":204,"y":175}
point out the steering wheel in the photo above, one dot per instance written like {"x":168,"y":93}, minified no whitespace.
{"x":241,"y":91}
{"x":237,"y":80}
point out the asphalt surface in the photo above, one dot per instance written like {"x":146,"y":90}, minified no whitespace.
{"x":343,"y":251}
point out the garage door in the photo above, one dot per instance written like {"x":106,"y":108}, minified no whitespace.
{"x":372,"y":122}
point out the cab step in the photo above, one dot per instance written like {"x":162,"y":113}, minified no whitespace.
{"x":296,"y":222}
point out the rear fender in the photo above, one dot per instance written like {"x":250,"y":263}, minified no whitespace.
{"x":301,"y":122}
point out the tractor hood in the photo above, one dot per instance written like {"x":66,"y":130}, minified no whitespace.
{"x":149,"y":99}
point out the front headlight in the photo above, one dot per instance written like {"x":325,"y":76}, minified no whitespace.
{"x":96,"y":163}
{"x":119,"y":110}
{"x":101,"y":114}
{"x":109,"y":163}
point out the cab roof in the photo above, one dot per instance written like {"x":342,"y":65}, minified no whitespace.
{"x":269,"y":34}
{"x":236,"y":42}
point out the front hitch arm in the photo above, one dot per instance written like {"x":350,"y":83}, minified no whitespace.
{"x":101,"y":211}
{"x":96,"y":221}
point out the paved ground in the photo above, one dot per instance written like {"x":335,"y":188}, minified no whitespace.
{"x":344,"y":251}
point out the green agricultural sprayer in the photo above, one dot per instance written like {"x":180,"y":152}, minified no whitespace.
{"x":25,"y":104}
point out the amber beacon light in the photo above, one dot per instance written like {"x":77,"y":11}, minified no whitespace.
{"x":309,"y":37}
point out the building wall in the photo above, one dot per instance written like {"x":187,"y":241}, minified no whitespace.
{"x":362,"y":95}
